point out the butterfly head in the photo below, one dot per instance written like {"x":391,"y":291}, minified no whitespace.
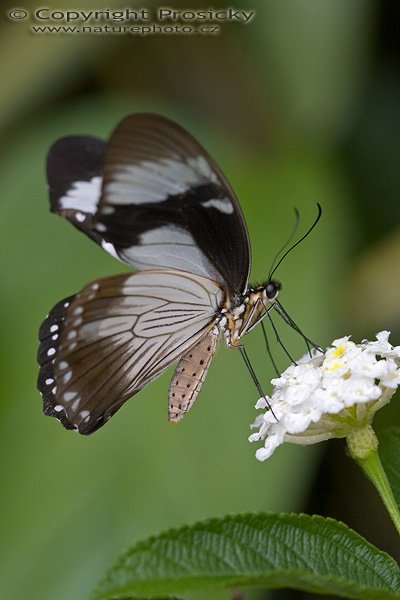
{"x":272,"y":288}
{"x":244,"y":314}
{"x":265,"y":292}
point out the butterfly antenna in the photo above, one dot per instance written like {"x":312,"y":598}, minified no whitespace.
{"x":285,"y":245}
{"x":249,"y":366}
{"x":272,"y":271}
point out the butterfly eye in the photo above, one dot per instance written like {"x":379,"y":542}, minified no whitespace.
{"x":272,"y":288}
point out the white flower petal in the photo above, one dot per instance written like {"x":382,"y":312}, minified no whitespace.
{"x":314,"y":399}
{"x":262,"y":402}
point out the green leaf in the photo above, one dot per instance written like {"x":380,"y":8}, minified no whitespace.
{"x":254,"y":550}
{"x":389,"y":452}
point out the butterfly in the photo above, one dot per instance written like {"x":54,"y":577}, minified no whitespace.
{"x":153,"y":198}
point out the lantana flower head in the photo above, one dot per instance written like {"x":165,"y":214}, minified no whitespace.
{"x":329,"y":394}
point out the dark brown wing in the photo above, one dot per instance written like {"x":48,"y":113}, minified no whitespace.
{"x":101,"y":346}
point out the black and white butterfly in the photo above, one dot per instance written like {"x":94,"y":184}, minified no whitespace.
{"x":154,"y":199}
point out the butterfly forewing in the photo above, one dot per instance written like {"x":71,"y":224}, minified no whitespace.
{"x":116,"y":336}
{"x":166,"y":204}
{"x":74,"y":174}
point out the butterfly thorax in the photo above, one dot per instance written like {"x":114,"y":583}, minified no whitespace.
{"x":242,"y":315}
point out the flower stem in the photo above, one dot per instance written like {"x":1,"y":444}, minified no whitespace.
{"x":369,"y":461}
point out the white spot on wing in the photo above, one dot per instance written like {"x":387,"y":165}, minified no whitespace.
{"x":224,"y":205}
{"x":49,"y":381}
{"x":110,"y":249}
{"x":80,"y":217}
{"x":67,"y":377}
{"x":107,"y":210}
{"x":83,"y":195}
{"x":51,"y":351}
{"x":53,"y":328}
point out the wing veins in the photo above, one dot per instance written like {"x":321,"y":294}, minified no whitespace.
{"x":118,"y":371}
{"x":138,"y":295}
{"x":100,"y":342}
{"x":181,"y":344}
{"x":150,"y":326}
{"x":101,"y":384}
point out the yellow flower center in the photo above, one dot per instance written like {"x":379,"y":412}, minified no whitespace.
{"x":336,"y":358}
{"x":332,"y":366}
{"x":339,"y":351}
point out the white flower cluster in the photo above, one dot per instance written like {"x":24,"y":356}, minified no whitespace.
{"x":329,"y":395}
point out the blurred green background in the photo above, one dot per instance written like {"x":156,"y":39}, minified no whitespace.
{"x":299,"y":106}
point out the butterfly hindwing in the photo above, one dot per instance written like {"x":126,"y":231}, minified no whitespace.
{"x":117,"y":335}
{"x":49,"y":343}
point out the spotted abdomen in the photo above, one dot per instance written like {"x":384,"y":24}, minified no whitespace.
{"x":189,"y":376}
